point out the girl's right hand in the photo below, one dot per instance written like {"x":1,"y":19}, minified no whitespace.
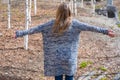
{"x":111,"y":33}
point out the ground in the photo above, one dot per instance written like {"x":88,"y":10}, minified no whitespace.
{"x":16,"y":63}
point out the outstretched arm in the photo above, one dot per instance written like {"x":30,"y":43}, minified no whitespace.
{"x":37,"y":29}
{"x":86,"y":27}
{"x":21,"y":33}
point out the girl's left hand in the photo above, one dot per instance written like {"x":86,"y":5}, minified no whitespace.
{"x":111,"y":33}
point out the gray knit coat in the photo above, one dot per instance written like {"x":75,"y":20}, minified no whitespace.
{"x":60,"y":52}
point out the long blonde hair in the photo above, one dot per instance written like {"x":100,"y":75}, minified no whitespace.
{"x":63,"y":19}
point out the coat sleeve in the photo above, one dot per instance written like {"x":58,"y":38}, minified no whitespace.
{"x":86,"y":27}
{"x":37,"y":29}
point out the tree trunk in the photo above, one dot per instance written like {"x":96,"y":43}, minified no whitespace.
{"x":30,"y":5}
{"x":26,"y":26}
{"x":109,"y":2}
{"x":75,"y":7}
{"x":35,"y":7}
{"x":82,"y":3}
{"x":9,"y":13}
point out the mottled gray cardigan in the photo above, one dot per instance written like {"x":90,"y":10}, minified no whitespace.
{"x":60,"y":52}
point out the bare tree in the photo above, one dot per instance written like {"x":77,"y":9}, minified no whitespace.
{"x":9,"y":13}
{"x":35,"y":7}
{"x":27,"y":24}
{"x":109,"y":2}
{"x":30,"y":5}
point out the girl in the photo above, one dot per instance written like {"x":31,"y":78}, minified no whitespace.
{"x":60,"y":40}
